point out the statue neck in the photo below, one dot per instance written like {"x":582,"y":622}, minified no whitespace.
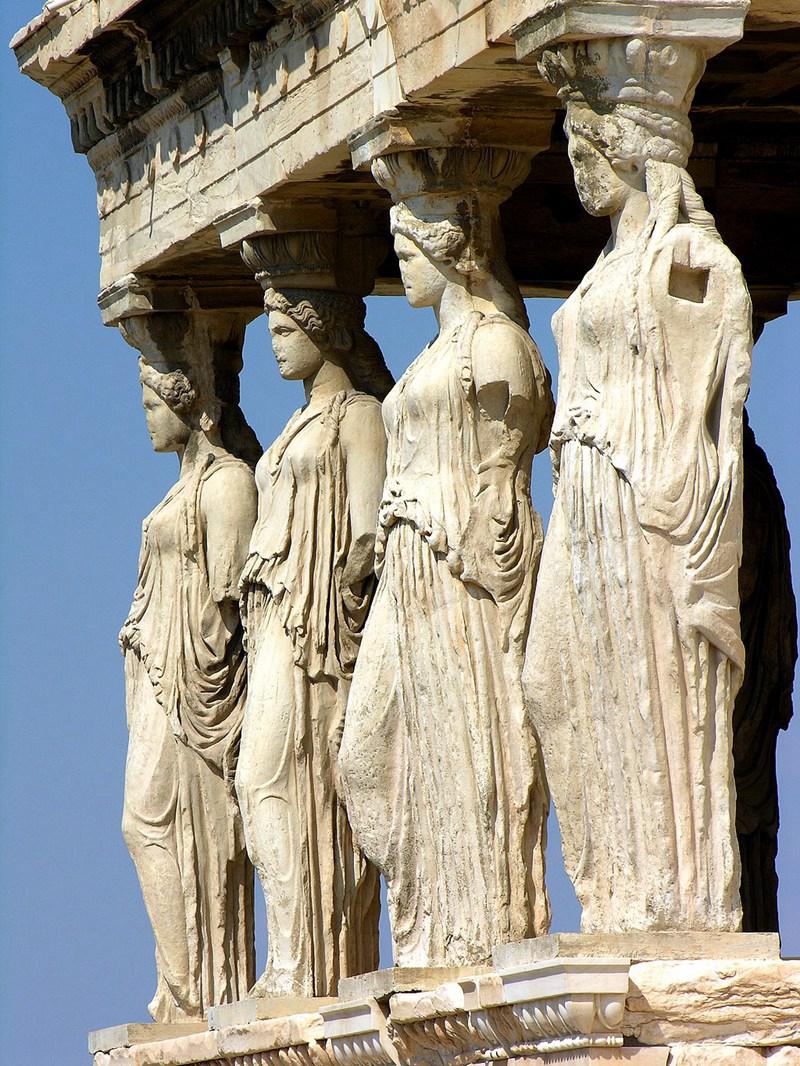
{"x":326,"y":382}
{"x":196,"y":450}
{"x":457,"y":303}
{"x":628,"y":223}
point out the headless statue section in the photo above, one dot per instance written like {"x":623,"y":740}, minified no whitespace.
{"x":338,"y":666}
{"x":764,"y":703}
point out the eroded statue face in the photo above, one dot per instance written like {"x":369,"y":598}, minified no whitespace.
{"x":168,"y":431}
{"x":297,"y":355}
{"x":600,"y":189}
{"x":423,"y":281}
{"x":601,"y":185}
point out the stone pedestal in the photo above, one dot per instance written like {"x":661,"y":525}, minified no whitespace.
{"x":735,"y":1002}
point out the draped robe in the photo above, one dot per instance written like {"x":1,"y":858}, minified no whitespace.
{"x":635,"y":657}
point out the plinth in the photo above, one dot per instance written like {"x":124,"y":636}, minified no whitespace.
{"x":666,"y":999}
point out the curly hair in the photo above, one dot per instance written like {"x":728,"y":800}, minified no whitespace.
{"x":327,"y":317}
{"x":441,"y":240}
{"x":335,"y":320}
{"x":220,"y":409}
{"x":472,"y":246}
{"x":173,"y":386}
{"x":631,"y":132}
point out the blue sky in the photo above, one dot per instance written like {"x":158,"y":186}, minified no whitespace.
{"x":77,"y":475}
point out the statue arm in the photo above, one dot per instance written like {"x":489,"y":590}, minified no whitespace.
{"x":515,"y":403}
{"x":695,"y":316}
{"x":228,"y":505}
{"x":363,"y":441}
{"x":515,"y":410}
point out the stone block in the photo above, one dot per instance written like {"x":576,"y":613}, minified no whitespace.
{"x":277,"y":1034}
{"x":565,"y":977}
{"x":247,"y":1011}
{"x":381,"y":984}
{"x":745,"y":1002}
{"x":357,"y":1032}
{"x":639,"y":1056}
{"x":715,"y":1055}
{"x":189,"y":1050}
{"x":638,"y":947}
{"x":131,"y":1033}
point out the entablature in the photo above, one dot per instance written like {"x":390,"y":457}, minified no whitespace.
{"x":188,"y":112}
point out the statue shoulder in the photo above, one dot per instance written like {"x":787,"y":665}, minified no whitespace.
{"x":228,"y":482}
{"x":502,"y":350}
{"x":362,"y":422}
{"x":692,"y":244}
{"x":694,"y":266}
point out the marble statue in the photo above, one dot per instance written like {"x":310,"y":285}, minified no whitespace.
{"x":185,"y":669}
{"x":635,"y":655}
{"x":440,"y":766}
{"x":764,"y":702}
{"x":306,"y":590}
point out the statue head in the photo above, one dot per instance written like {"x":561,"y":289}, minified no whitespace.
{"x":168,"y":400}
{"x":189,"y":370}
{"x":628,"y":102}
{"x":446,"y":221}
{"x":312,"y":326}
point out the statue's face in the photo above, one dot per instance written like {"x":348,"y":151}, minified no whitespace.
{"x":423,"y":281}
{"x":297,"y":355}
{"x":602,"y":188}
{"x":168,"y":431}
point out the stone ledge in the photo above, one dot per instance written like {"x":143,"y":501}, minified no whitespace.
{"x":247,"y":1011}
{"x":130,"y":1033}
{"x":380,"y":984}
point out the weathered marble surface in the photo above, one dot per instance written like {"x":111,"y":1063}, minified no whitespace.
{"x":635,"y":655}
{"x":639,"y":947}
{"x":440,"y":767}
{"x":132,"y":1033}
{"x":264,"y":1008}
{"x":731,"y":1002}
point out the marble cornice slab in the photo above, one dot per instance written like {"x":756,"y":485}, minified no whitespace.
{"x":540,"y":1009}
{"x":262,"y":102}
{"x":142,"y":295}
{"x":711,"y":25}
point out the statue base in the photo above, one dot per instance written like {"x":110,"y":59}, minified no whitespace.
{"x":735,"y":1002}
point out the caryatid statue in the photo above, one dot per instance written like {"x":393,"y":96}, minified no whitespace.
{"x":440,"y":764}
{"x":764,"y":702}
{"x":635,"y":655}
{"x":306,"y":591}
{"x":185,"y":669}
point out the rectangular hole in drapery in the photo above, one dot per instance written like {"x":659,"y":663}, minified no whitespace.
{"x":688,"y":283}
